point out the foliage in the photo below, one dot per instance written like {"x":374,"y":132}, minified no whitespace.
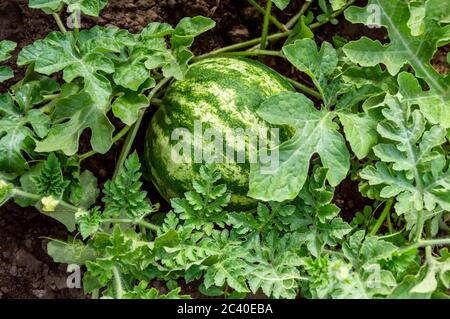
{"x":371,"y":113}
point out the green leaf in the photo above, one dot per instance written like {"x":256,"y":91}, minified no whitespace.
{"x":437,"y":270}
{"x":50,"y":181}
{"x":88,"y":7}
{"x":416,"y":21}
{"x":434,"y":107}
{"x":360,"y":131}
{"x":412,"y":167}
{"x":374,"y":249}
{"x":85,"y":193}
{"x":89,"y":222}
{"x":315,"y":133}
{"x":5,"y":191}
{"x":5,"y":73}
{"x":337,"y":4}
{"x":132,"y":75}
{"x":18,"y":131}
{"x":318,"y":65}
{"x":46,"y":5}
{"x":404,"y":48}
{"x":169,"y":239}
{"x":274,"y":269}
{"x":174,"y":62}
{"x":123,"y":196}
{"x":128,"y":106}
{"x":403,"y":290}
{"x":74,"y":252}
{"x":57,"y":52}
{"x":281,"y":4}
{"x":300,"y":31}
{"x":203,"y":208}
{"x":81,"y":112}
{"x":156,"y":30}
{"x":142,"y":291}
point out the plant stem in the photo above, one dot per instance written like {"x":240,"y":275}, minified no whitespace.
{"x":252,"y":53}
{"x":117,"y":283}
{"x":304,"y":88}
{"x":332,"y":16}
{"x":272,"y":19}
{"x":265,"y":29}
{"x":60,"y":24}
{"x":426,"y":243}
{"x":290,"y":24}
{"x":115,"y":139}
{"x":241,"y":45}
{"x":382,"y":217}
{"x":138,"y":222}
{"x":135,"y":128}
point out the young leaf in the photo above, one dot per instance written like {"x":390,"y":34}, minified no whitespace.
{"x":5,"y":191}
{"x":316,"y":133}
{"x":274,"y":268}
{"x":57,"y":52}
{"x":174,"y":62}
{"x":123,"y":196}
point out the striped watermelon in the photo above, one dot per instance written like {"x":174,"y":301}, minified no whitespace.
{"x":221,"y":93}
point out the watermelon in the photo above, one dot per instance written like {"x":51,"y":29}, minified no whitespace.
{"x":218,"y":93}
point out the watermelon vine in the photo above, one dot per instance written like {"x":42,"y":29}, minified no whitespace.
{"x":254,"y":217}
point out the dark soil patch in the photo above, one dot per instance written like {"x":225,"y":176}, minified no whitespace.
{"x":26,"y":271}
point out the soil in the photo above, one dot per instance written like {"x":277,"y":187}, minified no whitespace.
{"x":26,"y":271}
